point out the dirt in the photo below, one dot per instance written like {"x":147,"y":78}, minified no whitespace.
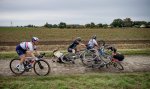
{"x":130,"y":63}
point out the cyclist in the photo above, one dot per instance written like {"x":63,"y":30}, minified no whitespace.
{"x":26,"y":49}
{"x":92,"y":44}
{"x":73,"y":47}
{"x":116,"y":54}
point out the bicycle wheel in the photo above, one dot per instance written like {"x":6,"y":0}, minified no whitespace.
{"x":87,"y":58}
{"x":41,"y":67}
{"x":69,"y":58}
{"x":13,"y":67}
{"x":118,"y":65}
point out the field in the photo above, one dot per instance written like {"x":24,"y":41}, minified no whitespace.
{"x":123,"y":38}
{"x":45,"y":34}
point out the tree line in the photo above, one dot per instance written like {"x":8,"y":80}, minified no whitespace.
{"x":119,"y":23}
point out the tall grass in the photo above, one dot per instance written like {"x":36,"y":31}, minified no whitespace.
{"x":80,"y":81}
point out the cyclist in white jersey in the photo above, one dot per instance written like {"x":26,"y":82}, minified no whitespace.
{"x":26,"y":48}
{"x":92,"y":44}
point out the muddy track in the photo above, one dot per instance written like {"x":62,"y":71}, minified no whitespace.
{"x":131,"y":64}
{"x":68,"y":42}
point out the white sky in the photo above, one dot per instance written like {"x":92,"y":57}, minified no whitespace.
{"x":38,"y":12}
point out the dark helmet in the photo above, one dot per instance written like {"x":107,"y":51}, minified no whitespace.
{"x":78,"y":39}
{"x":94,"y":37}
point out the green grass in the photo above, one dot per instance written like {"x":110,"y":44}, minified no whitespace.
{"x":79,"y":81}
{"x":8,"y":55}
{"x":45,"y":34}
{"x":135,"y":51}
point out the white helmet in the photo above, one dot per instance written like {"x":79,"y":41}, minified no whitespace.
{"x":94,"y":37}
{"x":35,"y":39}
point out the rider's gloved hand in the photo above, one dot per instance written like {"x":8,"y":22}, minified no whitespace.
{"x":39,"y":56}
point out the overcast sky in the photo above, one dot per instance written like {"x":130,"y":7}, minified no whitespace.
{"x":38,"y":12}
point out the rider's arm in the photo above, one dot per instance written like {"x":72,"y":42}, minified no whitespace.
{"x":31,"y":53}
{"x":32,"y":50}
{"x":79,"y":47}
{"x":83,"y":45}
{"x":95,"y":43}
{"x":37,"y":52}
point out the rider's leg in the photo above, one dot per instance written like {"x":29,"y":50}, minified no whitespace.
{"x":98,"y":58}
{"x":20,"y":66}
{"x":21,"y":54}
{"x":22,"y":58}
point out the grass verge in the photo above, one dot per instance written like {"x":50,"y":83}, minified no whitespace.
{"x":79,"y":81}
{"x":8,"y":55}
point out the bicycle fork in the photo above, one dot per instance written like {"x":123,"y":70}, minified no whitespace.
{"x":40,"y":65}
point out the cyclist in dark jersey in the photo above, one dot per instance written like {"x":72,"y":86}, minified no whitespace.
{"x":72,"y":47}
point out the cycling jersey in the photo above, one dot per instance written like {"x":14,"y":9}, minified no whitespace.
{"x":28,"y":46}
{"x":23,"y":47}
{"x":73,"y":46}
{"x":92,"y":43}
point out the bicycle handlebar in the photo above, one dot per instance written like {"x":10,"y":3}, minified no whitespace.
{"x":41,"y":55}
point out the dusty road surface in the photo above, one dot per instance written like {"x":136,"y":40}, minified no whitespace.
{"x":131,"y":64}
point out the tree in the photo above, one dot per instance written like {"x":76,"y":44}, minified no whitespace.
{"x":139,"y":22}
{"x":55,"y":26}
{"x":99,"y":25}
{"x":92,"y":25}
{"x":148,"y":24}
{"x":117,"y":23}
{"x":127,"y":22}
{"x":48,"y":25}
{"x":87,"y":25}
{"x":30,"y":25}
{"x":105,"y":25}
{"x":62,"y":25}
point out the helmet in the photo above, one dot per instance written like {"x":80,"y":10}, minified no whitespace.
{"x":35,"y":39}
{"x":78,"y":38}
{"x":94,"y":37}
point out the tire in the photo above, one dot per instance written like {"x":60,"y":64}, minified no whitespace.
{"x":13,"y":64}
{"x":118,"y":65}
{"x":39,"y":67}
{"x":87,"y":58}
{"x":69,"y":58}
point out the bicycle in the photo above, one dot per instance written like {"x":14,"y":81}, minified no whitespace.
{"x":41,"y":67}
{"x":67,"y":58}
{"x":92,"y":59}
{"x":115,"y":63}
{"x":87,"y":56}
{"x":98,"y":61}
{"x":112,"y":61}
